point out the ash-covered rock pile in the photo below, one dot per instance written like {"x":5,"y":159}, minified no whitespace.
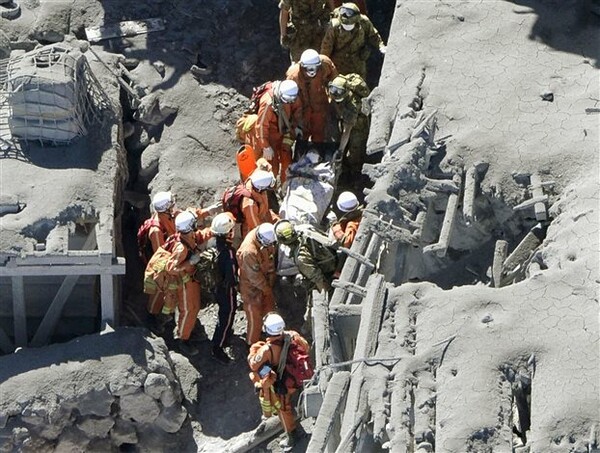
{"x":121,"y":391}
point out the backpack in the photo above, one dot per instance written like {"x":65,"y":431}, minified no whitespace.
{"x":144,"y":245}
{"x":257,"y":92}
{"x":208,"y":274}
{"x":232,"y":201}
{"x":298,"y":367}
{"x":155,"y":275}
{"x":357,"y":85}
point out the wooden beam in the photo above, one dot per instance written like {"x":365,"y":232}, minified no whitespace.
{"x":350,"y":287}
{"x":19,"y":311}
{"x":330,"y":412}
{"x":117,"y":267}
{"x":320,"y":328}
{"x":366,"y":344}
{"x":48,"y":324}
{"x":441,"y":246}
{"x":107,"y":300}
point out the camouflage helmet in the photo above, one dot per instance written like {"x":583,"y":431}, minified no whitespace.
{"x":349,"y":13}
{"x":337,"y":89}
{"x":285,"y":232}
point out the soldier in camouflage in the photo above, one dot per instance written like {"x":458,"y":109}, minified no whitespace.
{"x":349,"y":39}
{"x":302,"y":25}
{"x":347,"y":92}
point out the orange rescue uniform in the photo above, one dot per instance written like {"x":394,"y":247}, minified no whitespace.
{"x":316,"y":113}
{"x":275,"y":128}
{"x":157,"y":235}
{"x":344,"y":230}
{"x":188,"y":291}
{"x":257,"y":278}
{"x":256,"y":209}
{"x":268,"y":353}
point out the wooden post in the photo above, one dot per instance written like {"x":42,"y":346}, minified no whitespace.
{"x":469,"y":195}
{"x":19,"y":311}
{"x":441,"y":246}
{"x":499,"y":256}
{"x":538,"y":191}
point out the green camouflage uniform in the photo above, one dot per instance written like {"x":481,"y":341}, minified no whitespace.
{"x":306,"y":25}
{"x":349,"y":114}
{"x":315,"y":261}
{"x":350,"y":50}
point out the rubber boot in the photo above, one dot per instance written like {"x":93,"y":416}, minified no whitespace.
{"x":289,"y":442}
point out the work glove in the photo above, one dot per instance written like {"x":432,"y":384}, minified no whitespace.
{"x":268,"y":153}
{"x":331,"y":217}
{"x":195,"y":259}
{"x":214,"y":208}
{"x":280,"y":388}
{"x":382,"y":49}
{"x":299,"y":133}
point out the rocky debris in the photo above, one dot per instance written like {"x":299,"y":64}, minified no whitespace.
{"x":52,"y":22}
{"x":101,"y":392}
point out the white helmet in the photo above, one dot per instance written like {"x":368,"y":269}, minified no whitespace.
{"x":287,"y":91}
{"x":310,"y":62}
{"x":261,"y":179}
{"x":273,"y":324}
{"x":185,"y":222}
{"x":222,"y":224}
{"x":162,"y":201}
{"x":265,"y":233}
{"x":347,"y":202}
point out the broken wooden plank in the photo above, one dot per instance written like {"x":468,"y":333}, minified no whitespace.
{"x":330,"y":413}
{"x":500,"y":252}
{"x":521,"y":253}
{"x":538,"y":208}
{"x":350,"y":287}
{"x":125,"y":28}
{"x":441,"y":247}
{"x":442,"y":185}
{"x":358,"y":257}
{"x":531,"y":202}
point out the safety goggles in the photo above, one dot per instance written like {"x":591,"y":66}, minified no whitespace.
{"x":347,"y":13}
{"x":311,"y":70}
{"x":288,"y":99}
{"x":336,"y":92}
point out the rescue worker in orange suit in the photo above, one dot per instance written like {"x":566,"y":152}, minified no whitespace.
{"x":349,"y":39}
{"x":302,"y":24}
{"x":362,"y":5}
{"x":255,"y":208}
{"x":257,"y":260}
{"x":222,"y":228}
{"x":344,"y":229}
{"x":313,"y":74}
{"x":182,"y":266}
{"x":274,"y":395}
{"x":163,"y":226}
{"x":278,"y":124}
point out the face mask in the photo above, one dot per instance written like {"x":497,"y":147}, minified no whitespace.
{"x":348,"y":27}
